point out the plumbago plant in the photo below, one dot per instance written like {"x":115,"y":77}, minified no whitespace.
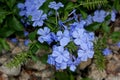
{"x":71,"y":32}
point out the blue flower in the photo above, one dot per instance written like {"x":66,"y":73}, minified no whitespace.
{"x":14,"y":40}
{"x":21,"y":6}
{"x":26,"y":42}
{"x":51,"y":60}
{"x":99,"y":16}
{"x":106,"y":51}
{"x":45,"y":35}
{"x":89,"y":20}
{"x":85,"y":54}
{"x":73,"y":62}
{"x":60,"y":54}
{"x":64,"y":37}
{"x":55,"y":5}
{"x":53,"y":36}
{"x":38,"y":18}
{"x":78,"y":35}
{"x":118,"y":44}
{"x":38,"y":3}
{"x":113,"y":15}
{"x":31,"y":9}
{"x":26,"y":33}
{"x":62,"y":66}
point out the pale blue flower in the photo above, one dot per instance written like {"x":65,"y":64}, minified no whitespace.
{"x":51,"y":60}
{"x":45,"y":35}
{"x":85,"y":54}
{"x":113,"y":15}
{"x":73,"y":62}
{"x":106,"y":51}
{"x":62,"y":66}
{"x":38,"y":18}
{"x":78,"y":35}
{"x":21,"y":6}
{"x":118,"y":44}
{"x":63,"y":37}
{"x":99,"y":16}
{"x":31,"y":9}
{"x":26,"y":42}
{"x":55,"y":5}
{"x":26,"y":33}
{"x":60,"y":54}
{"x":89,"y":20}
{"x":14,"y":40}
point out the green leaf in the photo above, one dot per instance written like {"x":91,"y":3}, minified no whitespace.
{"x":34,"y":58}
{"x":116,"y":4}
{"x":115,"y":36}
{"x":33,"y":48}
{"x":1,"y":48}
{"x":32,"y":35}
{"x":70,"y":5}
{"x":4,"y":44}
{"x":15,"y":24}
{"x":84,"y":14}
{"x":6,"y":31}
{"x":3,"y":14}
{"x":44,"y":58}
{"x":86,"y":78}
{"x":93,"y":27}
{"x":105,"y":27}
{"x":62,"y":76}
{"x":10,"y":3}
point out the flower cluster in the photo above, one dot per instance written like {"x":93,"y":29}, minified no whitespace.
{"x":62,"y":57}
{"x":31,"y":9}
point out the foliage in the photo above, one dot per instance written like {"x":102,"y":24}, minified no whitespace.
{"x":9,"y":21}
{"x":92,"y":4}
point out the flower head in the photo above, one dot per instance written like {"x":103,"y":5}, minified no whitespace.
{"x":99,"y":16}
{"x":118,"y":44}
{"x":26,"y":42}
{"x":85,"y":54}
{"x":45,"y":35}
{"x":55,"y":5}
{"x":63,"y":37}
{"x":38,"y":18}
{"x":60,"y":54}
{"x":113,"y":15}
{"x":106,"y":51}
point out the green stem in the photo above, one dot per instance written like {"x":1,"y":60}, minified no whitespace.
{"x":56,"y":18}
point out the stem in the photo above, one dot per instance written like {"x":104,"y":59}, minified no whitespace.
{"x":56,"y":18}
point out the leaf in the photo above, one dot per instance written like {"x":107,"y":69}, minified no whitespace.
{"x":3,"y":14}
{"x":34,"y":58}
{"x":69,"y":6}
{"x":10,"y":3}
{"x":44,"y":58}
{"x":6,"y":31}
{"x":32,"y":35}
{"x":1,"y":48}
{"x":84,"y":14}
{"x":4,"y":44}
{"x":62,"y":76}
{"x":33,"y":48}
{"x":14,"y":23}
{"x":93,"y":27}
{"x":117,"y":4}
{"x":105,"y":27}
{"x":115,"y":36}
